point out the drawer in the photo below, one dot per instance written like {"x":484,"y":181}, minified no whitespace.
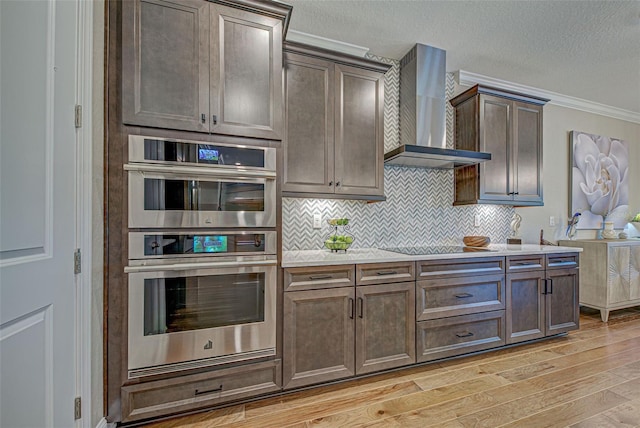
{"x":312,"y":278}
{"x":177,"y":395}
{"x":525,"y":263}
{"x":438,"y":298}
{"x":563,"y":260}
{"x":459,"y":267}
{"x":447,"y":337}
{"x":385,"y":273}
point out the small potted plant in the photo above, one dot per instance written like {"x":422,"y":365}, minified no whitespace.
{"x":636,"y":221}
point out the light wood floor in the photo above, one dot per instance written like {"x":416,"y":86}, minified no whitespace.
{"x":590,"y":378}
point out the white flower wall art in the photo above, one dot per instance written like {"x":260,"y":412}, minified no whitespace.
{"x":599,"y":180}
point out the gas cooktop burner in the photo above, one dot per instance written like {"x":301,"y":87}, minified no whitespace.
{"x":444,"y":249}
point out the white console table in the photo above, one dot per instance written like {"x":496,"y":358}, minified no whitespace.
{"x":609,"y":273}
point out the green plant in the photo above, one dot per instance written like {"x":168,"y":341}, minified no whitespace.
{"x":636,"y":218}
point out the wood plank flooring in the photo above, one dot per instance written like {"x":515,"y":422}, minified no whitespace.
{"x":589,"y":378}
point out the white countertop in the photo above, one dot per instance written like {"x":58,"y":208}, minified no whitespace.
{"x":374,"y":255}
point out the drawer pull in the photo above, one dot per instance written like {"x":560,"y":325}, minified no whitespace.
{"x":464,"y":295}
{"x":526,"y":264}
{"x":466,"y":334}
{"x":208,"y":391}
{"x":317,"y":277}
{"x":387,"y":272}
{"x":360,"y":307}
{"x":351,"y":308}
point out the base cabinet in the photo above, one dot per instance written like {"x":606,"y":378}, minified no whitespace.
{"x":335,"y":332}
{"x":192,"y":392}
{"x":542,"y":296}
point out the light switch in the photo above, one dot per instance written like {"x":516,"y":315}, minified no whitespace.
{"x":317,"y":219}
{"x":552,"y":221}
{"x":476,"y":220}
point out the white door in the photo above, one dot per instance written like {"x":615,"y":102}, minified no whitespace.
{"x":37,"y":212}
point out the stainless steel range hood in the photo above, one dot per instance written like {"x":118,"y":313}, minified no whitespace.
{"x":423,"y":114}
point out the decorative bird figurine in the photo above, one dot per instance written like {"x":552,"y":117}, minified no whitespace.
{"x":571,"y":227}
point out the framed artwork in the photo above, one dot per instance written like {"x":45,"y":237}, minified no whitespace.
{"x":599,"y":180}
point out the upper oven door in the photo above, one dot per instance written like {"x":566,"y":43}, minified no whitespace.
{"x":183,"y":197}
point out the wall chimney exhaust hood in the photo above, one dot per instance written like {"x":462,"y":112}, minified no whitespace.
{"x":423,"y":114}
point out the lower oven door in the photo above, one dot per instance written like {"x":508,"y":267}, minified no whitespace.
{"x":199,"y":314}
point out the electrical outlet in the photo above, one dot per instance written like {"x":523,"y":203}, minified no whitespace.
{"x":476,"y":220}
{"x":552,"y":221}
{"x":317,"y":219}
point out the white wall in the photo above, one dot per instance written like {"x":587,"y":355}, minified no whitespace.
{"x":558,"y":122}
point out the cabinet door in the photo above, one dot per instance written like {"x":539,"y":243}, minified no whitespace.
{"x":359,"y":133}
{"x":318,"y":337}
{"x":634,"y":272}
{"x":165,"y":64}
{"x":246,"y":73}
{"x":525,"y":306}
{"x":495,"y":138}
{"x":562,"y":310}
{"x":385,"y":326}
{"x":527,"y":152}
{"x":618,"y":284}
{"x":309,"y":116}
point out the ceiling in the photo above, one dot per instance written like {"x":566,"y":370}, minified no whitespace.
{"x":588,"y":49}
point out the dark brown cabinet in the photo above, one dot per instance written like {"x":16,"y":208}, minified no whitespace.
{"x":334,"y":125}
{"x":385,"y":326}
{"x":200,"y":66}
{"x":333,"y":330}
{"x":509,"y":126}
{"x":318,"y":336}
{"x":459,"y":306}
{"x":542,"y":296}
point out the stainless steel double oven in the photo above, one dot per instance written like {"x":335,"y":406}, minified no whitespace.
{"x":202,"y":254}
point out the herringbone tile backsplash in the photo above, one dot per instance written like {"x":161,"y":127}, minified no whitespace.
{"x":419,"y":207}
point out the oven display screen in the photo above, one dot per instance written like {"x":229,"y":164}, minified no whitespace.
{"x":209,"y":244}
{"x":208,"y":155}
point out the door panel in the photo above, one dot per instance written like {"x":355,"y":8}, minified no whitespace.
{"x":166,"y":64}
{"x":528,"y":152}
{"x":495,"y":138}
{"x":563,"y":312}
{"x":37,"y":152}
{"x":385,"y":326}
{"x":308,"y":143}
{"x":358,"y":131}
{"x":310,"y":357}
{"x":525,"y":306}
{"x":246,"y":73}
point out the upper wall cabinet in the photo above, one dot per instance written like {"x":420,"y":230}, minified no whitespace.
{"x":334,"y":125}
{"x":509,"y":126}
{"x":199,"y":66}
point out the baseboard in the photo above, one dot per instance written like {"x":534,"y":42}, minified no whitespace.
{"x":102,"y":423}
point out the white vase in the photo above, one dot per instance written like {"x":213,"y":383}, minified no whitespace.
{"x":608,"y":232}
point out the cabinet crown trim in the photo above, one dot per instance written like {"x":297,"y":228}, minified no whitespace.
{"x":488,"y":90}
{"x":338,"y":57}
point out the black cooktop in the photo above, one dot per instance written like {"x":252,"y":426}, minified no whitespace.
{"x":442,"y":249}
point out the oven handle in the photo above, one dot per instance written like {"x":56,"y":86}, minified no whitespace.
{"x":190,"y":266}
{"x":199,"y":171}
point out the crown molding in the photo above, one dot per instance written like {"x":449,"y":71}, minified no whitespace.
{"x":330,"y":44}
{"x":466,"y":78}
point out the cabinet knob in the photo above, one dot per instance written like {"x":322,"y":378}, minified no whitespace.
{"x":330,"y":183}
{"x":214,"y":119}
{"x":337,"y":184}
{"x":203,"y":118}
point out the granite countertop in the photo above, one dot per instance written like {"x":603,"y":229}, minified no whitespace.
{"x":374,"y":255}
